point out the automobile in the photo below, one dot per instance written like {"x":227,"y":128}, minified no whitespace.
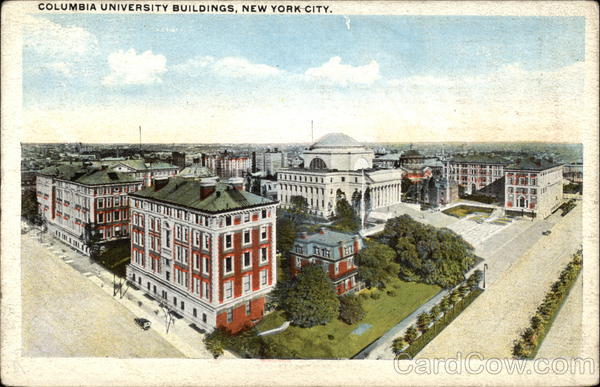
{"x":547,"y":232}
{"x":143,"y":323}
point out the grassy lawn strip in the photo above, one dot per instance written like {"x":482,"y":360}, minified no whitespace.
{"x":334,"y":340}
{"x":462,"y":211}
{"x":116,"y":256}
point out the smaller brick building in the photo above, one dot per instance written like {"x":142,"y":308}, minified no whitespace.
{"x":334,"y":251}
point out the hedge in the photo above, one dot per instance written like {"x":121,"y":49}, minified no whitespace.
{"x":530,"y":340}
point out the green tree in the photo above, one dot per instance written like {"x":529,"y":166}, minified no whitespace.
{"x":311,"y":298}
{"x":286,"y":234}
{"x":351,"y":309}
{"x":376,"y":264}
{"x":423,"y":321}
{"x":398,"y":344}
{"x":435,"y":312}
{"x":345,"y":218}
{"x":474,"y":279}
{"x":298,"y":209}
{"x":29,"y":207}
{"x":410,"y":335}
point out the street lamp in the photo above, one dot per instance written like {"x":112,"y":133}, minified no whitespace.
{"x":485,"y":266}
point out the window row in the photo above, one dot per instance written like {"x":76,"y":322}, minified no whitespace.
{"x":245,"y":261}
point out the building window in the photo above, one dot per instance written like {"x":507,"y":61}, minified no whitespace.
{"x":206,"y":241}
{"x":247,"y":236}
{"x":337,"y":267}
{"x":205,"y":265}
{"x":228,"y":220}
{"x":263,"y":255}
{"x":248,"y":308}
{"x":205,"y":290}
{"x":196,"y":239}
{"x":263,"y":214}
{"x":196,"y":262}
{"x":298,"y":262}
{"x":229,"y":315}
{"x":228,"y":241}
{"x":263,"y":233}
{"x":228,"y":290}
{"x":247,"y":259}
{"x":246,"y":218}
{"x":203,"y":317}
{"x":247,"y":284}
{"x":100,"y":201}
{"x":228,"y":267}
{"x":263,"y":278}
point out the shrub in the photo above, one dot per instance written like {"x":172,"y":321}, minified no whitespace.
{"x":330,"y":337}
{"x":398,"y":344}
{"x":363,"y":296}
{"x":216,"y":342}
{"x":351,"y":310}
{"x":392,"y":293}
{"x":423,"y":321}
{"x":410,"y":335}
{"x":375,"y":295}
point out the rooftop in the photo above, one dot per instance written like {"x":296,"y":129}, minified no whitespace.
{"x":87,"y":175}
{"x":186,"y":192}
{"x":480,"y":158}
{"x":533,"y":164}
{"x":328,"y":237}
{"x":336,"y":140}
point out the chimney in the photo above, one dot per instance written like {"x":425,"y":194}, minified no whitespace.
{"x":160,"y":183}
{"x":322,"y":230}
{"x":207,"y":187}
{"x":236,"y":183}
{"x":303,"y":235}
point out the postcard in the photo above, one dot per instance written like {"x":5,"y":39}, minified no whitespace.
{"x":299,"y":193}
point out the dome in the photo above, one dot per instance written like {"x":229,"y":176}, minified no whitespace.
{"x":336,"y":140}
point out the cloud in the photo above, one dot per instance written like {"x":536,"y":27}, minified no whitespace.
{"x":333,"y":71}
{"x":229,"y":67}
{"x":130,"y":68}
{"x":50,"y":39}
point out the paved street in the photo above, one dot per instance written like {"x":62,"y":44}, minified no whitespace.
{"x":564,"y":338}
{"x":65,"y":314}
{"x":497,"y":317}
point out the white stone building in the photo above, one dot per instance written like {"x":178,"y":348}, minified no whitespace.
{"x":338,"y":164}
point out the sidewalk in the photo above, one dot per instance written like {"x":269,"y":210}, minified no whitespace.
{"x":181,"y":335}
{"x":382,"y":348}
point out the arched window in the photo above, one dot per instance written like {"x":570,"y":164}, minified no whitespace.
{"x":317,"y":163}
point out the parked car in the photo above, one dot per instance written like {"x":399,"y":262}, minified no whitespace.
{"x":547,"y":232}
{"x":143,"y":323}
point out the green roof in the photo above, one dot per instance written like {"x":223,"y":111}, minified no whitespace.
{"x":533,"y":164}
{"x":186,"y":192}
{"x":480,"y":159}
{"x":87,"y":175}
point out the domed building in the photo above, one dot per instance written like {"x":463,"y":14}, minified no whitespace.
{"x":337,"y":166}
{"x":338,"y":151}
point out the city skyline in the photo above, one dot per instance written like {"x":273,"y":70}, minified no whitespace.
{"x":376,"y":78}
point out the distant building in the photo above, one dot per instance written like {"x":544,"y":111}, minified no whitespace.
{"x":442,"y":191}
{"x":196,"y":170}
{"x":179,"y":159}
{"x":337,"y":165}
{"x":28,"y":180}
{"x":533,"y":187}
{"x":573,"y":172}
{"x":273,"y":161}
{"x":227,"y":165}
{"x":206,"y":249}
{"x":390,"y":160}
{"x":140,"y":169}
{"x":74,"y":200}
{"x":476,"y":172}
{"x":334,"y":251}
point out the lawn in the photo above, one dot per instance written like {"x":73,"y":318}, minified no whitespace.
{"x":115,"y":256}
{"x":335,"y":340}
{"x":462,"y":211}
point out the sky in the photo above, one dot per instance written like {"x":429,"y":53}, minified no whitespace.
{"x":263,"y":78}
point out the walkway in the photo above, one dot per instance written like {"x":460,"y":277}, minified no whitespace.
{"x":496,"y":318}
{"x":382,"y":348}
{"x":564,"y":337}
{"x":181,"y":335}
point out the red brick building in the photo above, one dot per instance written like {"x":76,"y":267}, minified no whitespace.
{"x":206,"y":249}
{"x":334,"y":251}
{"x":72,"y":197}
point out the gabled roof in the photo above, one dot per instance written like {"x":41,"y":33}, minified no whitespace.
{"x":186,"y":192}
